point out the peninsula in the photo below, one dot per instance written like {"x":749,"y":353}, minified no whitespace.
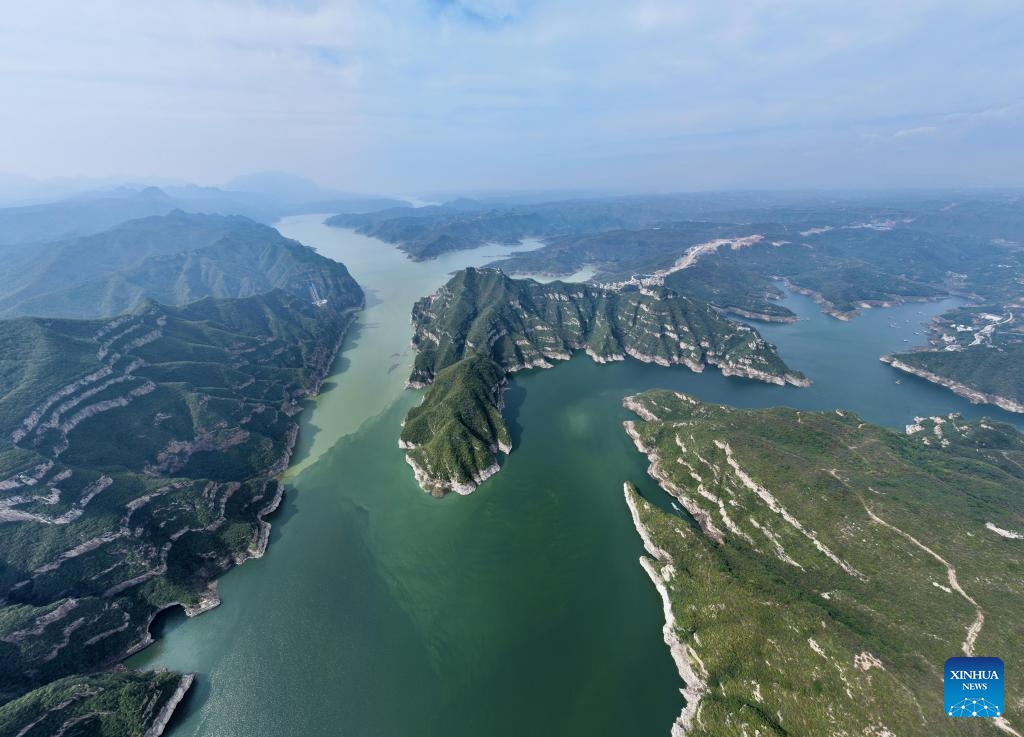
{"x":813,"y":558}
{"x":483,"y":325}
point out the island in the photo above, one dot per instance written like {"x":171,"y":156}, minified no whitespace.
{"x":483,"y":325}
{"x":816,"y":570}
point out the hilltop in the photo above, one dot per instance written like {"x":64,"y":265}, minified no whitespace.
{"x":174,"y":259}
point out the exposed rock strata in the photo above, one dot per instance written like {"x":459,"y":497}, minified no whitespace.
{"x":973,"y":395}
{"x":688,"y":663}
{"x":167,"y":710}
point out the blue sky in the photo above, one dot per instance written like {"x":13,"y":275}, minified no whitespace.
{"x":402,"y":96}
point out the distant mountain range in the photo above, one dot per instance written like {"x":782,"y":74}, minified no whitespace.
{"x":174,"y":259}
{"x":271,"y":197}
{"x":740,"y":251}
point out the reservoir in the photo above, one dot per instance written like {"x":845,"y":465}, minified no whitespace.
{"x":379,"y":611}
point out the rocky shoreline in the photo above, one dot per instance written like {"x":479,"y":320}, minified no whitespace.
{"x":972,"y":395}
{"x":659,"y":569}
{"x":210,"y":598}
{"x":516,"y":325}
{"x":748,"y":373}
{"x":655,"y":471}
{"x":846,"y":315}
{"x":819,"y":299}
{"x":440,"y":486}
{"x":759,"y":316}
{"x":167,"y":710}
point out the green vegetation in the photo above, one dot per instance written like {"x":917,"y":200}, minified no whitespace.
{"x":994,"y":375}
{"x":825,"y":568}
{"x":844,"y":266}
{"x":456,"y":433}
{"x":977,"y":350}
{"x":173,"y":259}
{"x":118,"y":704}
{"x":512,"y":324}
{"x":426,"y":232}
{"x":139,"y":454}
{"x":137,"y":460}
{"x":521,"y":323}
{"x":847,"y":255}
{"x":848,"y":250}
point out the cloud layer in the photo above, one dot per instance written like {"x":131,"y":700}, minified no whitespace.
{"x":396,"y":95}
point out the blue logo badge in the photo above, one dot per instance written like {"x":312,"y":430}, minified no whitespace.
{"x":974,"y":687}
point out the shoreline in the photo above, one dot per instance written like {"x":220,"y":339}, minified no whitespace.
{"x":846,"y":315}
{"x":758,"y":316}
{"x":210,"y":599}
{"x":974,"y":396}
{"x":654,"y":470}
{"x":439,"y":486}
{"x":167,"y":710}
{"x":694,"y":683}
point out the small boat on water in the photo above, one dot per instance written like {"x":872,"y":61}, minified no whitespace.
{"x":677,"y":508}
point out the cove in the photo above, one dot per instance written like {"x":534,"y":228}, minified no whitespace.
{"x":518,"y":610}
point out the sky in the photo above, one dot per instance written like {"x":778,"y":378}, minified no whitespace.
{"x":419,"y":96}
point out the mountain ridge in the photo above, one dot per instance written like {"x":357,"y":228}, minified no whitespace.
{"x":483,"y":325}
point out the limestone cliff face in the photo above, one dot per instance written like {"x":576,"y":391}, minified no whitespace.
{"x":522,"y":323}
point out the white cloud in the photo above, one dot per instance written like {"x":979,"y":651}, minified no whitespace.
{"x":399,"y":94}
{"x":921,"y":130}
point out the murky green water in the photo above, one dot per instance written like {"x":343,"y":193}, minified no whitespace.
{"x":519,"y":610}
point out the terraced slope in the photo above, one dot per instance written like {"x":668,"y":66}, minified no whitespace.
{"x":138,"y":459}
{"x":825,"y":568}
{"x":506,"y":325}
{"x":847,"y":252}
{"x":105,"y":705}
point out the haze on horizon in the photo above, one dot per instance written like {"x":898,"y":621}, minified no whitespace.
{"x":401,"y":96}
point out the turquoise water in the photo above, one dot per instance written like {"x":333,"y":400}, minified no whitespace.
{"x":518,"y":610}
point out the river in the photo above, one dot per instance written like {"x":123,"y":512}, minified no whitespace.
{"x":518,"y":610}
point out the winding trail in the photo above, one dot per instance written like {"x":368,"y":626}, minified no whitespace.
{"x":975,"y":628}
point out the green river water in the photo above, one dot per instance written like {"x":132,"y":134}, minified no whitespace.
{"x":379,"y":611}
